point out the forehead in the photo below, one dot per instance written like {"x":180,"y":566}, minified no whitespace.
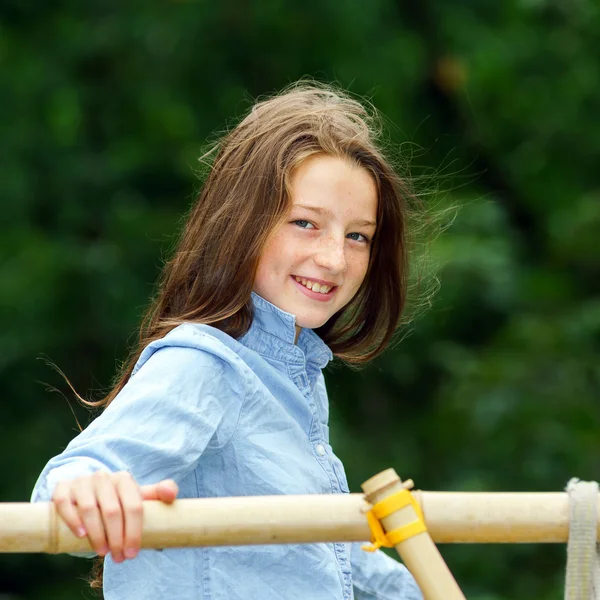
{"x":336,"y":185}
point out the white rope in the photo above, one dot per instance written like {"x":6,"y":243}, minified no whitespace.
{"x":582,"y":581}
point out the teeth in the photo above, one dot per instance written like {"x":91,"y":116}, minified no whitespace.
{"x":313,"y":285}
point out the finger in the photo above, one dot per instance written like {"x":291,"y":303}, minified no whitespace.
{"x":84,"y":497}
{"x":66,"y":509}
{"x":112,"y":514}
{"x":165,"y":491}
{"x":130,"y":496}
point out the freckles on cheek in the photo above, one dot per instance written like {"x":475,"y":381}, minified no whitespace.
{"x":294,"y":259}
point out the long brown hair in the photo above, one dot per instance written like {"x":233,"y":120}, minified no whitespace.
{"x":210,"y":276}
{"x":245,"y":196}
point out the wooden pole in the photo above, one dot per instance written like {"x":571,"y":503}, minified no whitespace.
{"x":418,"y":552}
{"x":464,"y":517}
{"x":497,"y":517}
{"x":201,"y":522}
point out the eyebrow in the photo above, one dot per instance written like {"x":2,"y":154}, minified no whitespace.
{"x":328,"y":213}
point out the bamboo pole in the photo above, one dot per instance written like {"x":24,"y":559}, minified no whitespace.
{"x":451,"y":517}
{"x":418,"y":552}
{"x":201,"y":522}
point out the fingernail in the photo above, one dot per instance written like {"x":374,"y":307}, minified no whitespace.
{"x":118,"y":557}
{"x":103,"y":551}
{"x":130,"y":552}
{"x":81,"y":532}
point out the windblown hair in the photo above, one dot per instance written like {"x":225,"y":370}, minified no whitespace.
{"x":246,"y":196}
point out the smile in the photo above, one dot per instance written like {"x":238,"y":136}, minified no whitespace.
{"x":314,"y":289}
{"x":313,"y":285}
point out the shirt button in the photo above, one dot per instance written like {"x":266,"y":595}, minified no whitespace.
{"x":320,"y":449}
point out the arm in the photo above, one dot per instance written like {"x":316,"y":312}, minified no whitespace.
{"x":376,"y":576}
{"x":182,"y":401}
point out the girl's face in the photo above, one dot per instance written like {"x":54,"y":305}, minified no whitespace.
{"x":315,"y":262}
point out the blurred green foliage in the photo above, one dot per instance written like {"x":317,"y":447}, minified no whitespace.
{"x":105,"y":108}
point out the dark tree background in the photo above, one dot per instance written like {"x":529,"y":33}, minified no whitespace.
{"x":105,"y":107}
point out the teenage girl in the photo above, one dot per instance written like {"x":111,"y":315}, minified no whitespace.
{"x":294,"y":252}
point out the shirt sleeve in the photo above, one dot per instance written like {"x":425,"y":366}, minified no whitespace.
{"x":376,"y":576}
{"x":181,"y":403}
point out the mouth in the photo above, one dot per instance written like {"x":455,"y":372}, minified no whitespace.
{"x":314,"y":289}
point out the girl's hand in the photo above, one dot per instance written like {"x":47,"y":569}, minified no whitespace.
{"x":107,"y":507}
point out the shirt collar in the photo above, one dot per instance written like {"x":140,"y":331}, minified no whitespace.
{"x":273,"y":332}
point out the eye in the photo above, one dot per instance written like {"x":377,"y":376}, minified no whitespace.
{"x":359,"y":237}
{"x":303,"y":224}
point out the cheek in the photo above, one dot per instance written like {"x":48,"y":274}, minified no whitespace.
{"x":273,"y":260}
{"x":360,"y":266}
{"x":359,"y":269}
{"x":286,"y":253}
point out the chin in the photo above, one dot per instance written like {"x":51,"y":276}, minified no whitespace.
{"x":310,"y":323}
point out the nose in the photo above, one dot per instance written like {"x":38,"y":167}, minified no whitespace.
{"x":331,"y":254}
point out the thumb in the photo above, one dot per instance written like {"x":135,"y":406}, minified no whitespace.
{"x":165,"y":491}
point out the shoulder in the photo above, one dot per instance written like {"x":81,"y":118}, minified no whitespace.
{"x":199,"y":343}
{"x":193,"y":348}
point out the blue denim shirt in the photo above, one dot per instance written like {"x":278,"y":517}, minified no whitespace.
{"x":226,"y":417}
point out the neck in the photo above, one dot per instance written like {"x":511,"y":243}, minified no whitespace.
{"x":298,"y":330}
